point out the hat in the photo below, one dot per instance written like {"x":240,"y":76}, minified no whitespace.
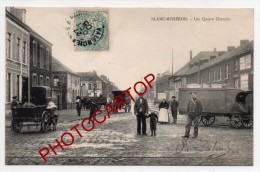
{"x":49,"y":98}
{"x":173,"y":97}
{"x":14,"y":97}
{"x":193,"y":92}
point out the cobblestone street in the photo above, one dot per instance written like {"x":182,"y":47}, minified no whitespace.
{"x":115,"y":143}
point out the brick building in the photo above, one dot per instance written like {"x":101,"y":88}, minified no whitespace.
{"x":40,"y":60}
{"x":17,"y":55}
{"x":230,"y":69}
{"x":66,"y":85}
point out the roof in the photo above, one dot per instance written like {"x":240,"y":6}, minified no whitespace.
{"x":89,"y":76}
{"x":201,"y":55}
{"x":57,"y":66}
{"x":240,"y":50}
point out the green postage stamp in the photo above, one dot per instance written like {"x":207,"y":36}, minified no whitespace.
{"x":91,"y":30}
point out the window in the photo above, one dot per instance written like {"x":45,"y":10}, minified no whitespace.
{"x":89,"y":86}
{"x":47,"y":81}
{"x":47,"y":60}
{"x":236,"y":82}
{"x":214,"y":75}
{"x":95,"y":86}
{"x":236,"y":64}
{"x":34,"y":79}
{"x":220,"y":77}
{"x":244,"y":81}
{"x":41,"y":57}
{"x":14,"y":47}
{"x":226,"y":71}
{"x":55,"y":81}
{"x":41,"y":80}
{"x":18,"y":86}
{"x":208,"y":76}
{"x":8,"y":45}
{"x":34,"y":53}
{"x":9,"y":87}
{"x":245,"y":62}
{"x":17,"y":49}
{"x":24,"y":52}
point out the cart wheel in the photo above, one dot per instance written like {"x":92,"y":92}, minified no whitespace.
{"x":45,"y":127}
{"x":208,"y":120}
{"x":236,"y":121}
{"x":17,"y":126}
{"x":248,"y":122}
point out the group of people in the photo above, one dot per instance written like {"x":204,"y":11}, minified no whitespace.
{"x":79,"y":105}
{"x":141,"y":109}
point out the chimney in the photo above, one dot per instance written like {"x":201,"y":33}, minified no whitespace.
{"x":230,"y":48}
{"x":190,"y":55}
{"x":244,"y":41}
{"x":20,"y":14}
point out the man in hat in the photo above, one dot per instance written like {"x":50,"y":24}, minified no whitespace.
{"x":194,"y":109}
{"x":141,"y":110}
{"x":174,"y":107}
{"x":54,"y":116}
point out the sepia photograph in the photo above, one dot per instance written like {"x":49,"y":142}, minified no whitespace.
{"x":128,"y":86}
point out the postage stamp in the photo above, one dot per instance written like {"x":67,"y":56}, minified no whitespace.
{"x":91,"y":30}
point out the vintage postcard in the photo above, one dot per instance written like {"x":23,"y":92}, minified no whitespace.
{"x":129,"y":86}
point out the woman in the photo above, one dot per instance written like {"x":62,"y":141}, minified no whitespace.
{"x":163,"y":112}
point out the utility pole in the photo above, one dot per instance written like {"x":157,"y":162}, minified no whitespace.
{"x":172,"y":61}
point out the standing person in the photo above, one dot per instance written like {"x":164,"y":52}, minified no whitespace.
{"x":93,"y":108}
{"x":78,"y":105}
{"x":153,"y":122}
{"x":53,"y":115}
{"x":163,"y":112}
{"x":141,"y":110}
{"x":174,"y":108}
{"x":14,"y":102}
{"x":194,"y":109}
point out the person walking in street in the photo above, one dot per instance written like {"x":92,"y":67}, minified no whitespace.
{"x":194,"y":109}
{"x":93,"y":108}
{"x":163,"y":112}
{"x":141,"y":110}
{"x":174,"y":108}
{"x":78,"y":105}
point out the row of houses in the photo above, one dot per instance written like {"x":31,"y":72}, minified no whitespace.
{"x":232,"y":68}
{"x":29,"y":63}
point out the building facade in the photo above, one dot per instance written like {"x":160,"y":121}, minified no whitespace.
{"x":224,"y":69}
{"x":17,"y":56}
{"x":40,"y":60}
{"x":66,"y":85}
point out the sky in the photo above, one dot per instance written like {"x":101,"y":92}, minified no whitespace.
{"x":138,"y":45}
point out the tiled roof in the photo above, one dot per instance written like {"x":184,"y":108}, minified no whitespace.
{"x":57,"y":66}
{"x":201,"y":55}
{"x":89,"y":76}
{"x":242,"y":49}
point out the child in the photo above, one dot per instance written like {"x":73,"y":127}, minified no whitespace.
{"x":153,"y":122}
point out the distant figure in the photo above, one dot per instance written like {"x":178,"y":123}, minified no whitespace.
{"x":141,"y":110}
{"x":194,"y":109}
{"x":153,"y":123}
{"x":163,"y":112}
{"x":93,"y":108}
{"x":174,"y":109}
{"x":78,"y":105}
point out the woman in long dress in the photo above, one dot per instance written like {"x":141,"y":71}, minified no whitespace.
{"x":163,"y":112}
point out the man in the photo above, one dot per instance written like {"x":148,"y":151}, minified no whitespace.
{"x":93,"y":109}
{"x":194,"y":109}
{"x":78,"y":105}
{"x":53,"y":115}
{"x":141,"y":110}
{"x":174,"y":107}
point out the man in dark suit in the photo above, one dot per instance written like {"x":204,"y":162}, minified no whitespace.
{"x":141,"y":110}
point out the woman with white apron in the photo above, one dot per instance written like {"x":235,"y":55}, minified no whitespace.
{"x":163,"y":112}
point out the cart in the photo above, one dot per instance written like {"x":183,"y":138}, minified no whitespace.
{"x":127,"y":108}
{"x":35,"y":113}
{"x":236,"y":104}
